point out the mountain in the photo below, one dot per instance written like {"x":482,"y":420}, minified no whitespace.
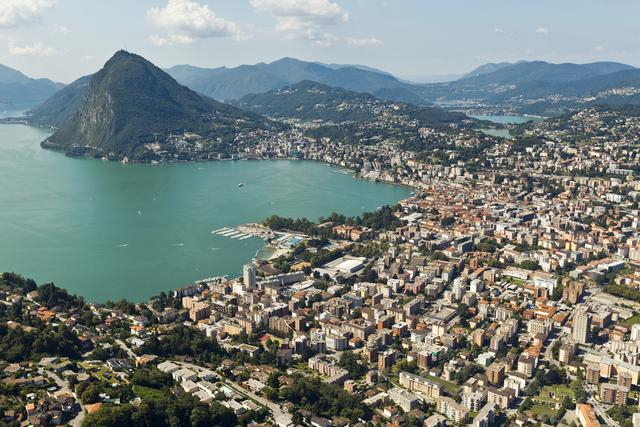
{"x":538,"y":87}
{"x":55,"y":110}
{"x":312,"y":101}
{"x":540,"y":71}
{"x":18,"y":90}
{"x":362,"y":67}
{"x":486,"y":69}
{"x":130,"y":102}
{"x":535,"y":87}
{"x":234,"y":83}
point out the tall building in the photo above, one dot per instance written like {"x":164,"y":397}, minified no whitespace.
{"x":249,"y":275}
{"x":495,"y":374}
{"x":581,"y":327}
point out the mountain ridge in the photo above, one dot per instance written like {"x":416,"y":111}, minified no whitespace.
{"x":17,"y":89}
{"x":130,"y":102}
{"x":233,"y":83}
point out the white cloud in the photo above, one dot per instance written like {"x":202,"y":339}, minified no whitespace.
{"x":172,"y":39}
{"x":35,"y":49}
{"x":293,"y":15}
{"x":323,"y":39}
{"x":305,"y":19}
{"x":187,"y":21}
{"x":498,"y":30}
{"x":14,"y":13}
{"x":361,"y":42}
{"x":599,"y":48}
{"x":61,"y":29}
{"x":542,"y":30}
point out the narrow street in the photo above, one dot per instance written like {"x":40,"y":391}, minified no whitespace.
{"x":281,"y":417}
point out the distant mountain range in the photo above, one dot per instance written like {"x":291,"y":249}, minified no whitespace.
{"x":226,"y":84}
{"x":539,"y":71}
{"x":538,"y":87}
{"x":129,"y":103}
{"x":20,"y":91}
{"x":524,"y":87}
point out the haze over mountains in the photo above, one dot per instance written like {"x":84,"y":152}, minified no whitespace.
{"x":233,"y":83}
{"x":521,"y":88}
{"x":539,"y":87}
{"x":18,"y":90}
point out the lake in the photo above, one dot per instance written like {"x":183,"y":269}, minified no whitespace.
{"x":509,"y":119}
{"x":506,"y":120}
{"x":106,"y":230}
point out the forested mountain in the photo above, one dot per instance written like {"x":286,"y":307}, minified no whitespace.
{"x":55,"y":110}
{"x":310,"y":101}
{"x":130,"y":102}
{"x":234,"y":83}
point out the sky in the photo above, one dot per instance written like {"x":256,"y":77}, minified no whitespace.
{"x":413,"y":39}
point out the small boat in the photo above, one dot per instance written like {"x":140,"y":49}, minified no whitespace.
{"x":241,"y":185}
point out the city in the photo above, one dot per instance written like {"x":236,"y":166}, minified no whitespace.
{"x":206,"y":231}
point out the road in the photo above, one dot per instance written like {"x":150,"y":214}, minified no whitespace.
{"x":278,"y":413}
{"x":602,"y":413}
{"x":130,"y":352}
{"x":548,"y":353}
{"x":64,"y":386}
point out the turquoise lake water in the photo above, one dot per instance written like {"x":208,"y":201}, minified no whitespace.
{"x":505,"y":120}
{"x":106,"y":230}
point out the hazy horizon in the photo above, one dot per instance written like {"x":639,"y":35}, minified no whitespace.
{"x":412,"y":39}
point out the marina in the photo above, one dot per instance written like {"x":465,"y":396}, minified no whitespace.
{"x":244,"y":232}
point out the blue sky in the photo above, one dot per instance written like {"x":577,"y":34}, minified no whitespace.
{"x":65,"y":39}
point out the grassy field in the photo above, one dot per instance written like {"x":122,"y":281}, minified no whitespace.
{"x":632,"y":320}
{"x":147,"y":393}
{"x":450,"y":387}
{"x":100,"y":372}
{"x":559,"y":391}
{"x":540,"y":409}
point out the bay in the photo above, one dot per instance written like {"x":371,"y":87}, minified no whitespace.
{"x":509,"y":119}
{"x":106,"y":230}
{"x":505,"y":120}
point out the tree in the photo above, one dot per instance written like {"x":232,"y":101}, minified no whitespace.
{"x":351,"y":362}
{"x":447,"y":221}
{"x":526,"y":405}
{"x":529,"y":265}
{"x":568,"y":404}
{"x":557,"y":292}
{"x":91,"y":394}
{"x":274,"y":380}
{"x":579,"y":392}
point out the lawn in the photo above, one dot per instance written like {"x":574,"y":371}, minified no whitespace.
{"x":559,"y":391}
{"x":148,"y":393}
{"x":100,"y":372}
{"x":632,"y":320}
{"x":540,"y":409}
{"x":450,"y":387}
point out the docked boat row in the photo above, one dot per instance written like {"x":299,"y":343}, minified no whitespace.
{"x":232,"y":233}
